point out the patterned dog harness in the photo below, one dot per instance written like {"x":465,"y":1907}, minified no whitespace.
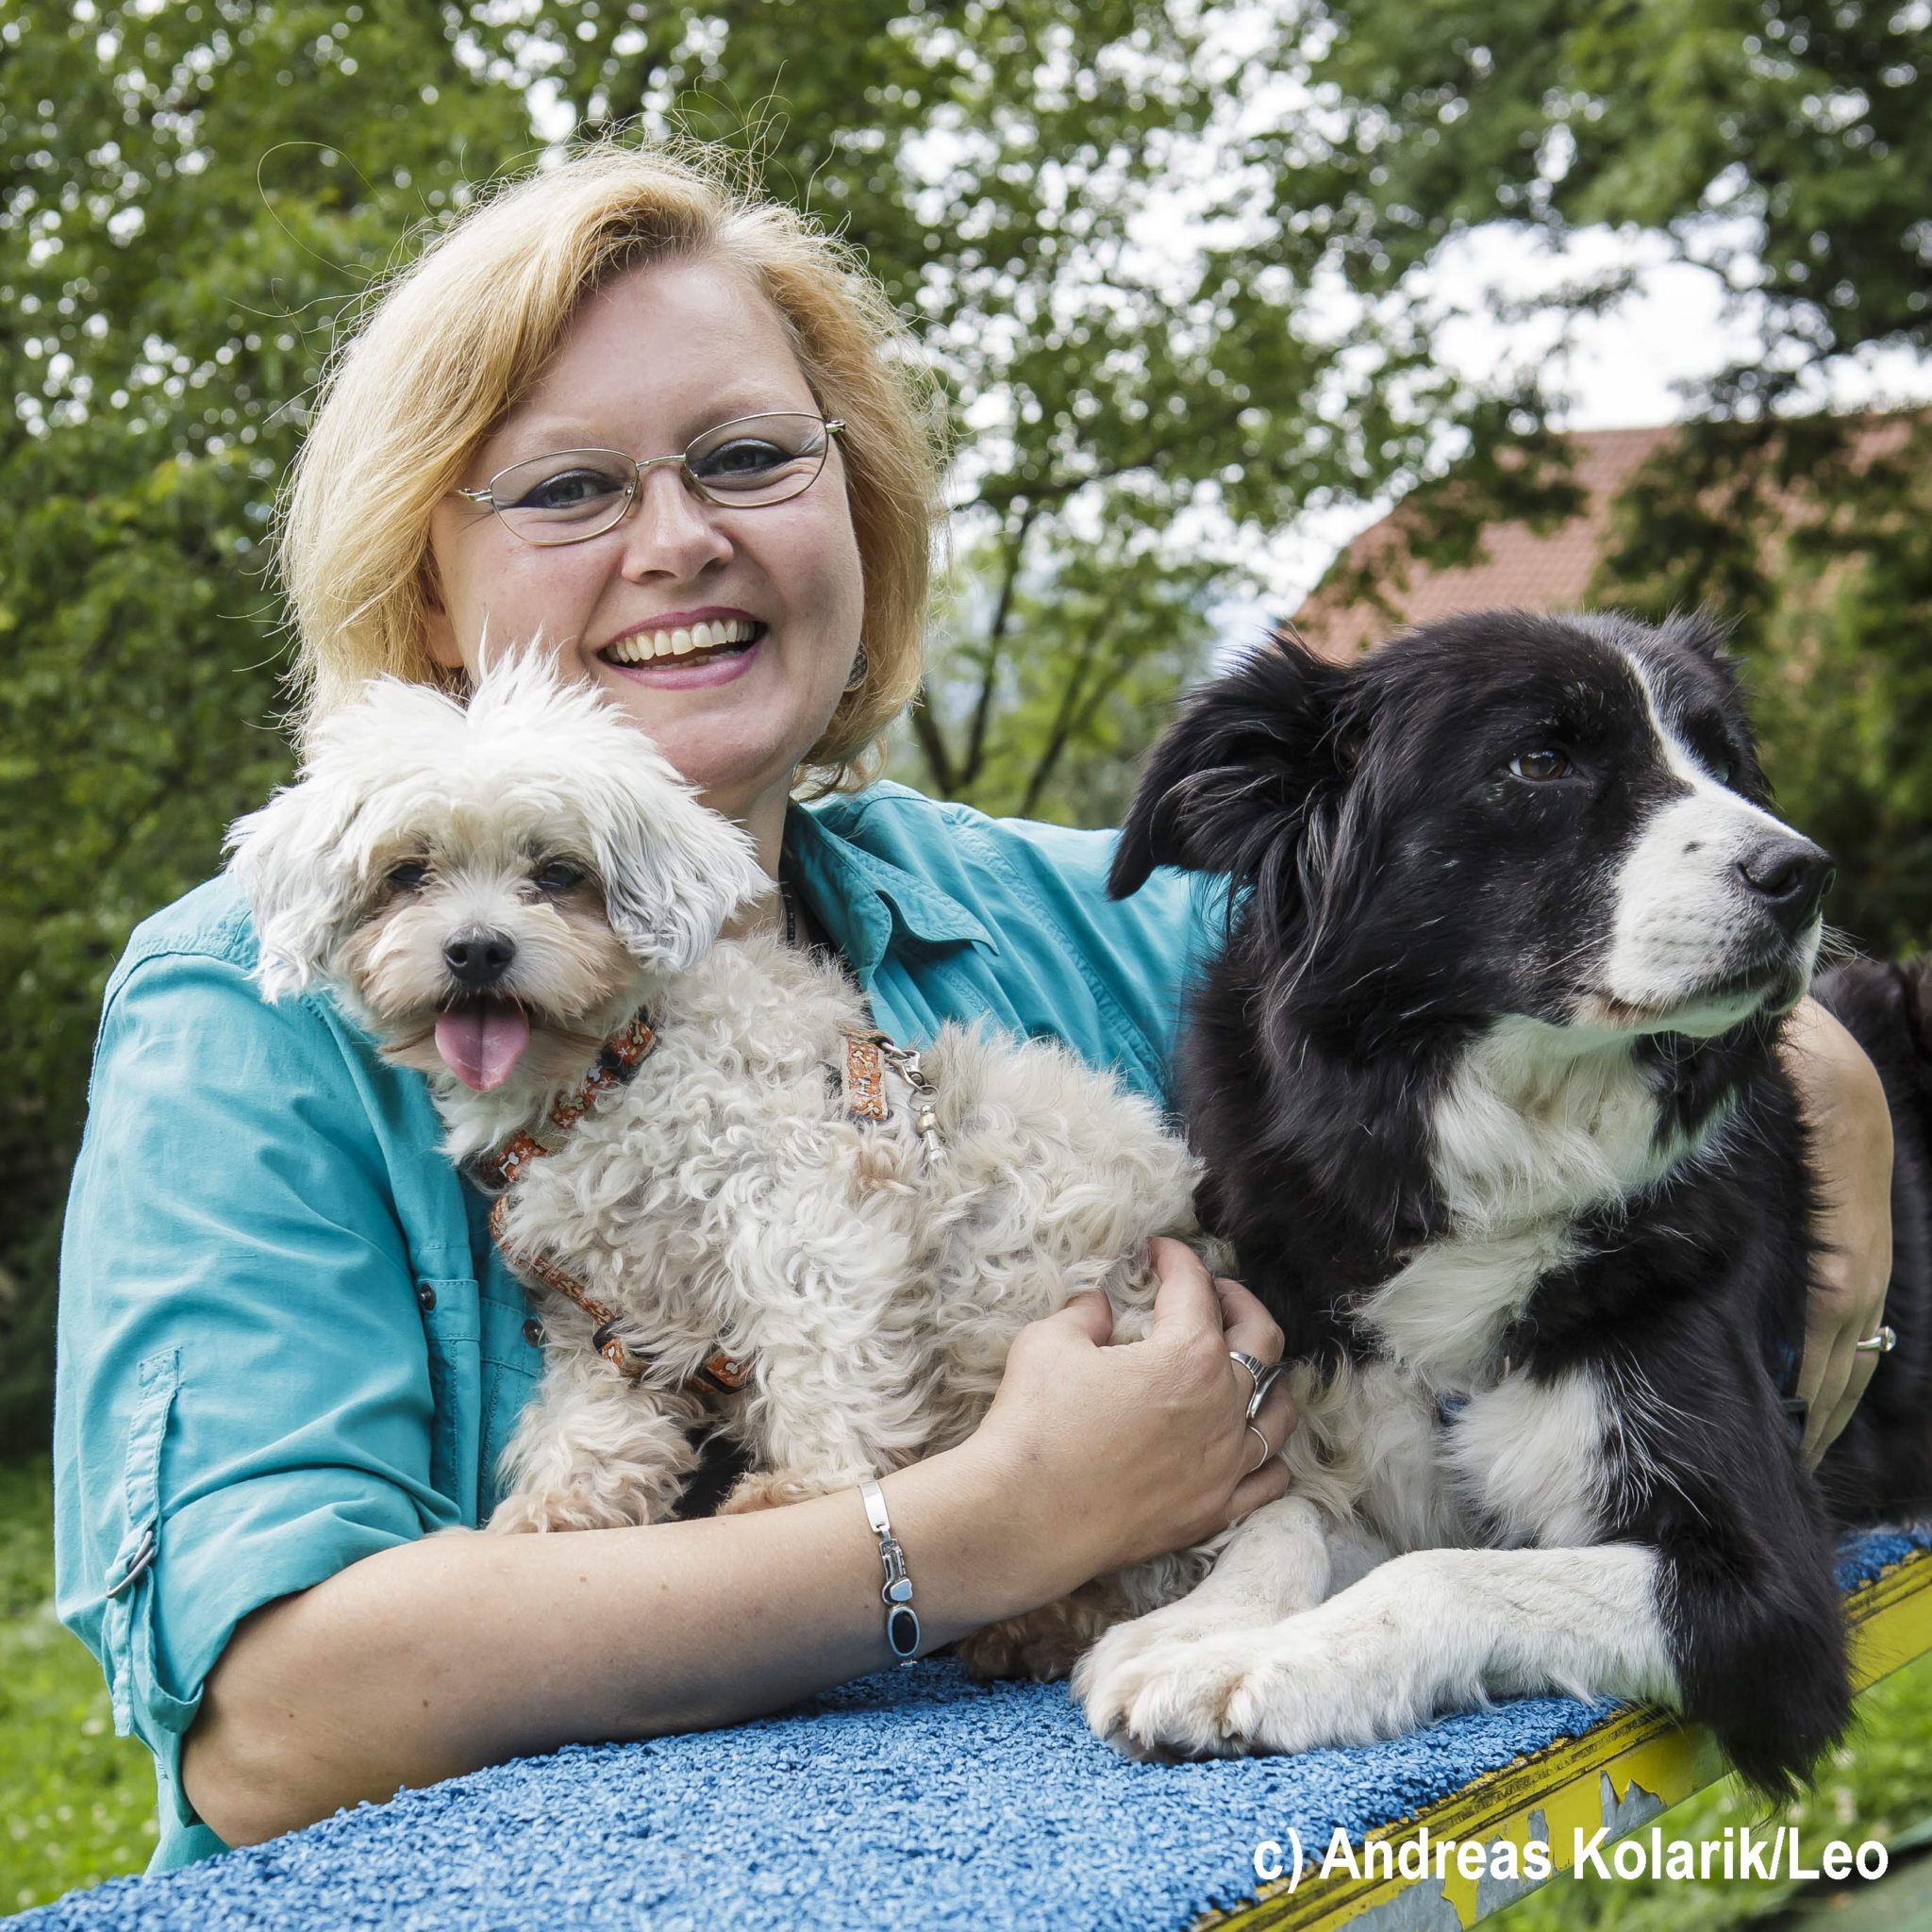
{"x":867,"y":1056}
{"x":722,"y":1373}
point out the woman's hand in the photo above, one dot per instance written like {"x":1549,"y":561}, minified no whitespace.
{"x":1851,"y":1141}
{"x":1124,"y":1453}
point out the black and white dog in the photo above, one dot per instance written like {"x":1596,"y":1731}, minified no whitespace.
{"x":1487,"y":1083}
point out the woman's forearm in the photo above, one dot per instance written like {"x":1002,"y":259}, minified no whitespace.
{"x":463,"y":1650}
{"x":444,"y":1656}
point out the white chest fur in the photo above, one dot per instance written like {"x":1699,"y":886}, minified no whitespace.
{"x":1538,"y":1126}
{"x":1520,"y":1463}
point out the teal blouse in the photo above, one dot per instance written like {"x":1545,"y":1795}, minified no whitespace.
{"x":286,"y":1340}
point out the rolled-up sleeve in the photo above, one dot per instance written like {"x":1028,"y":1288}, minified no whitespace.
{"x":245,"y":1400}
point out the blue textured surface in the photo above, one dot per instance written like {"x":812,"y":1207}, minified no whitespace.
{"x":908,"y":1800}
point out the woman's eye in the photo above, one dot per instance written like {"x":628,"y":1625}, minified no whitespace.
{"x":1544,"y":762}
{"x":559,"y":875}
{"x":743,"y":455}
{"x":408,"y":874}
{"x":571,"y":489}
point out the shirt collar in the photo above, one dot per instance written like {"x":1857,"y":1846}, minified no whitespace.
{"x":858,"y":897}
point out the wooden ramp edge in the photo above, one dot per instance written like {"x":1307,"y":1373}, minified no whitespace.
{"x":1618,"y":1775}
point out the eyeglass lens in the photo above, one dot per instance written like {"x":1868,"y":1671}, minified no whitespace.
{"x":576,"y":494}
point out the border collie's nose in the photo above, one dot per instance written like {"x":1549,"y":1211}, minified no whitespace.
{"x":1789,"y":876}
{"x":480,"y":958}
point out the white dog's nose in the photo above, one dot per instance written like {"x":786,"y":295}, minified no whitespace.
{"x":480,"y":958}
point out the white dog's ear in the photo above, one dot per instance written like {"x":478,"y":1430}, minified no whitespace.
{"x":673,"y":870}
{"x":292,"y":858}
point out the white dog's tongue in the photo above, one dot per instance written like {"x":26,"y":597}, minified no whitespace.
{"x":481,"y":1043}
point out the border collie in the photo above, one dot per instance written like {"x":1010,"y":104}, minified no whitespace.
{"x":1487,"y":1083}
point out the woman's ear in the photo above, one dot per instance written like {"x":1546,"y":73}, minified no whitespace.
{"x":1234,"y":771}
{"x":439,"y":630}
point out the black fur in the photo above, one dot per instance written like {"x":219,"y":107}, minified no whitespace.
{"x":1394,"y":890}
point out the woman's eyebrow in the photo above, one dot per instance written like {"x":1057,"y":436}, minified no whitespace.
{"x":548,"y":433}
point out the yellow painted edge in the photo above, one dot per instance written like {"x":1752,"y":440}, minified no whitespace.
{"x":1890,"y":1620}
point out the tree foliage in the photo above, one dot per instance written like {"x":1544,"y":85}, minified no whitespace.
{"x":188,"y":194}
{"x":194,"y":195}
{"x":1785,"y":147}
{"x":1155,"y":253}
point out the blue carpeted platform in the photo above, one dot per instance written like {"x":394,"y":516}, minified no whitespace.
{"x":910,"y":1800}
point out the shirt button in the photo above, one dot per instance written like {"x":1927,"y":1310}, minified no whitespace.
{"x":533,"y":1332}
{"x":426,"y":1297}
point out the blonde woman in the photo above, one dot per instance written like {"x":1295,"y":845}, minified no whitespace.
{"x":679,"y":436}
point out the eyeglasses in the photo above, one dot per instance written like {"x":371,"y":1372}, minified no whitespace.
{"x":578,"y":494}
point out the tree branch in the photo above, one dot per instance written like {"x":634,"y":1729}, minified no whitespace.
{"x":995,"y":636}
{"x":1063,"y":723}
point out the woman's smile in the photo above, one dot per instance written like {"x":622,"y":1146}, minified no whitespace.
{"x":686,"y":648}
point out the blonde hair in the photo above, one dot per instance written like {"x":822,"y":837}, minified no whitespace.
{"x":452,"y":342}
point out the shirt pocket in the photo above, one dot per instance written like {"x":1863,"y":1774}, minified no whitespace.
{"x":512,"y":1363}
{"x":449,"y":1305}
{"x":128,"y":1639}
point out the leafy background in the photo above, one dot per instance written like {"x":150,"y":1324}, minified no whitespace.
{"x":1176,"y":266}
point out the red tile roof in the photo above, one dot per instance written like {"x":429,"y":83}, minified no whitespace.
{"x":1516,"y":566}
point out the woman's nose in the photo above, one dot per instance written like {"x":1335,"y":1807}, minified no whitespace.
{"x":670,"y":530}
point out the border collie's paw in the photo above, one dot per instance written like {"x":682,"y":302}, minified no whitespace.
{"x":1141,"y":1685}
{"x":1234,"y":1693}
{"x":537,"y":1511}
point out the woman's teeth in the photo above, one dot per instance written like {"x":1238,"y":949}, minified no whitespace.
{"x":644,"y":647}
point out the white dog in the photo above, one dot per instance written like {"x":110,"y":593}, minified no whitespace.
{"x":496,"y":891}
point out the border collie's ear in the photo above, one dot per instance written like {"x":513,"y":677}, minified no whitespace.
{"x":1702,"y":631}
{"x":1234,"y":769}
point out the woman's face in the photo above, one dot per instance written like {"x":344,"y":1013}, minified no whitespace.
{"x":650,"y":360}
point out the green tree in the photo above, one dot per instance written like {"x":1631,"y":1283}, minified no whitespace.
{"x":195,"y":195}
{"x":189,"y":196}
{"x":1785,"y":147}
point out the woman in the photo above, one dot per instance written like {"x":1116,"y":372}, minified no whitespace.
{"x":289,"y":1352}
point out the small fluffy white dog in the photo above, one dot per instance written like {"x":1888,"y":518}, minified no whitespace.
{"x":493,"y":891}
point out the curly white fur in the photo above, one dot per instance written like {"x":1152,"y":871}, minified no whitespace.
{"x":721,"y":1197}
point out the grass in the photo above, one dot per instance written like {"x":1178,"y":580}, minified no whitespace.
{"x":78,"y":1802}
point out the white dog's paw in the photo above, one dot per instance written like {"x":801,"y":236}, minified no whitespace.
{"x":774,"y":1490}
{"x":580,"y":1507}
{"x":1232,"y":1693}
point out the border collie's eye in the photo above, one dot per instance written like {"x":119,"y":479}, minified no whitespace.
{"x":408,"y":874}
{"x":1546,"y":762}
{"x":559,"y":875}
{"x":1723,"y":770}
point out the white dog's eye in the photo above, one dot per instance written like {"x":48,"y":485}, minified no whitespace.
{"x":409,"y":874}
{"x":1543,"y":763}
{"x":559,"y":875}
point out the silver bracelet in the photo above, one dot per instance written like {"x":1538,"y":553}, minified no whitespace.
{"x":902,"y":1620}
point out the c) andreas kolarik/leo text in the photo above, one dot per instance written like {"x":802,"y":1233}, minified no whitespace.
{"x":1738,"y":1852}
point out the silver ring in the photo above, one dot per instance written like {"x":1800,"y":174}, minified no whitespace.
{"x":1266,"y":1452}
{"x":1267,"y":1379}
{"x":1881,"y":1343}
{"x":1254,"y":1368}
